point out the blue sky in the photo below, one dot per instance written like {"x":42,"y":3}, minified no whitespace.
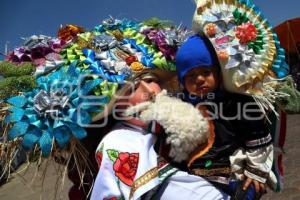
{"x":20,"y":18}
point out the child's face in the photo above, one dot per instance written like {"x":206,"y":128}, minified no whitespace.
{"x":201,"y":80}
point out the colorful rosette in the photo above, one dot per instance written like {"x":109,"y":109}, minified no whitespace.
{"x":64,"y":84}
{"x":42,"y":51}
{"x":152,"y":44}
{"x":69,"y":32}
{"x":55,"y":111}
{"x":249,"y":51}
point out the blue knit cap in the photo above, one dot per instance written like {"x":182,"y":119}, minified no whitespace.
{"x":195,"y":52}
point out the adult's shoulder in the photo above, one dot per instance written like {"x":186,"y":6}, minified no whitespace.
{"x":127,"y":139}
{"x":120,"y":134}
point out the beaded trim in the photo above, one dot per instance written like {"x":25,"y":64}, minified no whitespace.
{"x":260,"y":141}
{"x":164,"y":171}
{"x":143,"y":180}
{"x":211,"y":172}
{"x":257,"y":172}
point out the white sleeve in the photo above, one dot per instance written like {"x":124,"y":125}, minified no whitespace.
{"x":124,"y":157}
{"x":106,"y":185}
{"x":255,"y":164}
{"x":259,"y":163}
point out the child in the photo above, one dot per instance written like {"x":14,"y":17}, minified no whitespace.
{"x":242,"y":148}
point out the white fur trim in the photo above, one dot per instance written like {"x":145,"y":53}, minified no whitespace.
{"x":185,"y":126}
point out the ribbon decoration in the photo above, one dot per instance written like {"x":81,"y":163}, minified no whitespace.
{"x":257,"y":45}
{"x":23,"y":54}
{"x":86,"y":59}
{"x":111,"y":23}
{"x":135,"y":40}
{"x":104,"y":42}
{"x":51,"y":111}
{"x":159,"y":39}
{"x":105,"y":69}
{"x":107,"y":89}
{"x":240,"y":56}
{"x":114,"y":24}
{"x":239,"y":17}
{"x":224,"y":19}
{"x":251,"y":5}
{"x":53,"y":61}
{"x":72,"y":53}
{"x":69,"y":32}
{"x":248,"y":65}
{"x":41,"y":50}
{"x":146,"y":58}
{"x":46,"y":42}
{"x":165,"y":41}
{"x":117,"y":34}
{"x":161,"y":62}
{"x":225,"y":25}
{"x":210,"y":29}
{"x":36,"y":41}
{"x":57,"y":44}
{"x":129,"y":33}
{"x":19,"y":55}
{"x":84,"y":40}
{"x":126,"y":23}
{"x":117,"y":49}
{"x":139,"y":38}
{"x":280,"y":67}
{"x":155,"y":58}
{"x":109,"y":63}
{"x":246,"y":33}
{"x":36,"y":47}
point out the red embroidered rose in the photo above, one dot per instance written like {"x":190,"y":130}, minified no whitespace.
{"x":125,"y":167}
{"x":99,"y":156}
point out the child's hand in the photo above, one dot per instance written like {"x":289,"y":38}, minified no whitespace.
{"x":259,"y":187}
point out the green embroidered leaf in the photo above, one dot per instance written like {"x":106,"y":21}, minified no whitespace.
{"x":208,"y":163}
{"x":112,"y":154}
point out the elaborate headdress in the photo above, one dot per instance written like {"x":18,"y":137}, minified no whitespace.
{"x":249,"y":51}
{"x":77,"y":75}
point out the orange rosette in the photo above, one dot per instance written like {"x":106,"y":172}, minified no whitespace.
{"x":69,"y":32}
